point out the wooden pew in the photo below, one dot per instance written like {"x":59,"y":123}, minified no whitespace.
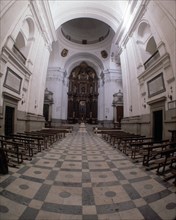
{"x":129,"y":142}
{"x":153,"y":150}
{"x":122,"y":141}
{"x":38,"y":141}
{"x":14,"y":151}
{"x":145,"y":148}
{"x":48,"y":138}
{"x":66,"y":128}
{"x":29,"y":144}
{"x":171,"y":175}
{"x":168,"y":158}
{"x":58,"y":132}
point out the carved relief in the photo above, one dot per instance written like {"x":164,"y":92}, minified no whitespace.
{"x":83,"y":86}
{"x":104,"y":54}
{"x":64,"y":52}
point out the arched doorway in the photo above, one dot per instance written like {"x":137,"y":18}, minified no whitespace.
{"x":83,"y":94}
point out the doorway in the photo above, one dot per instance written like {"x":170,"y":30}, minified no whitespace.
{"x":9,"y":120}
{"x":46,"y":112}
{"x":158,"y":125}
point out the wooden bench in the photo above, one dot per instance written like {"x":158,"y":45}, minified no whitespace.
{"x":145,"y":149}
{"x":168,"y":157}
{"x":38,"y":140}
{"x":128,"y":144}
{"x":122,"y":141}
{"x":14,"y":151}
{"x":173,"y":135}
{"x":171,"y":175}
{"x":153,"y":151}
{"x":29,"y":144}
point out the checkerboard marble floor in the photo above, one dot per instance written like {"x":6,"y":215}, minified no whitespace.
{"x":83,"y":177}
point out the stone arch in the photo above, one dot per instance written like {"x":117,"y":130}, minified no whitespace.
{"x":31,"y":27}
{"x":146,"y":42}
{"x":90,"y":59}
{"x":143,"y":31}
{"x":25,"y":36}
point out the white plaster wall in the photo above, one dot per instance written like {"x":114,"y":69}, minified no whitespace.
{"x":37,"y":85}
{"x":54,"y":84}
{"x":161,"y":20}
{"x":126,"y":83}
{"x":55,"y":56}
{"x":76,"y":54}
{"x":43,"y":71}
{"x":162,"y":17}
{"x":132,"y":75}
{"x":64,"y":99}
{"x":112,"y":84}
{"x":101,"y":100}
{"x":11,"y":14}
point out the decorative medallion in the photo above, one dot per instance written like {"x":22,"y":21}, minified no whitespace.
{"x":104,"y":54}
{"x":64,"y":52}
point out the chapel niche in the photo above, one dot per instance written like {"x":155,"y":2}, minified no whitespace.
{"x":83,"y":95}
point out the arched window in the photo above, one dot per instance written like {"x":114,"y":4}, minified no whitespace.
{"x":23,"y":40}
{"x":151,"y":47}
{"x":146,"y":43}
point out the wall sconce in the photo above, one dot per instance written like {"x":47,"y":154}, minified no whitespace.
{"x":131,"y":108}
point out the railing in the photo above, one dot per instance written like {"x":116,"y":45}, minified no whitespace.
{"x":19,"y":54}
{"x":154,"y":57}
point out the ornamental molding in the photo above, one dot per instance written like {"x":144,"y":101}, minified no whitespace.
{"x":11,"y":58}
{"x":163,"y":61}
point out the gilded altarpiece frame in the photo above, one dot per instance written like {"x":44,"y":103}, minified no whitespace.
{"x":83,"y":95}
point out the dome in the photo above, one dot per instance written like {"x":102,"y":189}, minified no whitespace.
{"x":85,"y":30}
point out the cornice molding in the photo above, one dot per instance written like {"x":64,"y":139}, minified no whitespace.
{"x":163,"y":61}
{"x":6,"y":8}
{"x":161,"y":99}
{"x":8,"y":95}
{"x":45,"y":27}
{"x":49,"y":19}
{"x":10,"y":57}
{"x":139,"y":14}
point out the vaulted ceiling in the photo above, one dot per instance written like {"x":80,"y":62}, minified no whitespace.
{"x":87,"y":21}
